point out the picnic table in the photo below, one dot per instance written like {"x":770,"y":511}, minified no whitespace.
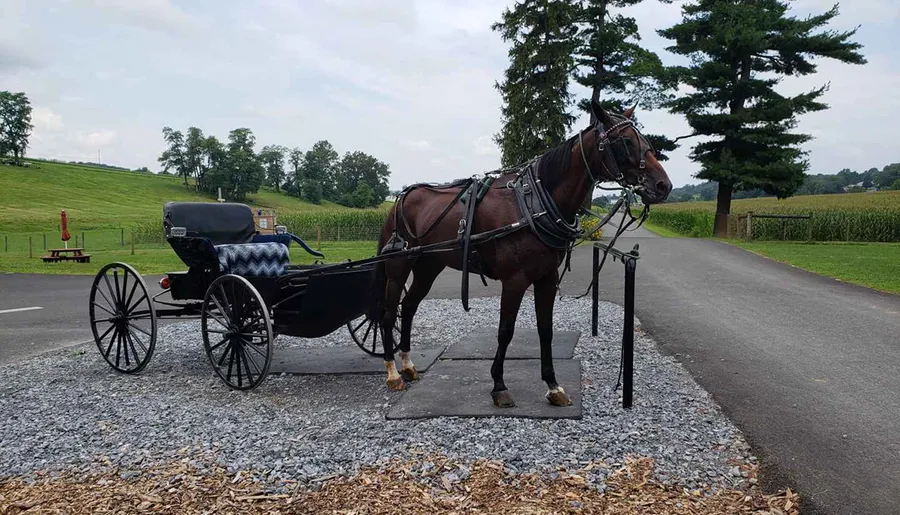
{"x":77,"y":255}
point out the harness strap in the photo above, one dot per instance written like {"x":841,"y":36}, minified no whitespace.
{"x":465,"y":233}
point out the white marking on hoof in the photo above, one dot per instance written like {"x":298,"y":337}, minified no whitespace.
{"x":405,"y":362}
{"x":391,"y":370}
{"x":558,"y":389}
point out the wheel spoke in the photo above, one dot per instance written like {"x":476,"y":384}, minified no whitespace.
{"x":111,"y":304}
{"x":143,"y":316}
{"x":375,"y":339}
{"x":258,"y":351}
{"x":230,"y":312}
{"x":111,"y":341}
{"x":364,"y":320}
{"x":104,"y":309}
{"x":216,"y":346}
{"x":118,"y":347}
{"x":109,"y":288}
{"x":221,"y":310}
{"x":247,"y":361}
{"x":138,"y":340}
{"x":125,"y":349}
{"x":119,"y":296}
{"x":215,"y":317}
{"x":102,"y":336}
{"x":141,"y":329}
{"x":131,"y":295}
{"x":137,"y":303}
{"x":227,"y":351}
{"x":134,"y":351}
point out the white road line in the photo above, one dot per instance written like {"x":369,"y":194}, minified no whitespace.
{"x":17,"y":310}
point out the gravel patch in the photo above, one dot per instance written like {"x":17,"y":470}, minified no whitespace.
{"x":69,"y":411}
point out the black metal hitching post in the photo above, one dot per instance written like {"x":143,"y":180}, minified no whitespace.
{"x":629,"y":259}
{"x":595,"y":290}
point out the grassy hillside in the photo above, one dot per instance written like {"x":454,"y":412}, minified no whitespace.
{"x":97,"y":198}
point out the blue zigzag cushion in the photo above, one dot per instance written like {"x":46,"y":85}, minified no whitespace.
{"x":253,"y":259}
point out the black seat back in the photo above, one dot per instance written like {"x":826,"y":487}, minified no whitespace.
{"x":220,"y":222}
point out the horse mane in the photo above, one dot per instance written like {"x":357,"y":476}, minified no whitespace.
{"x":555,"y":163}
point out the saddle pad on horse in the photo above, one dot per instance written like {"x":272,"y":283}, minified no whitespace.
{"x":253,"y":259}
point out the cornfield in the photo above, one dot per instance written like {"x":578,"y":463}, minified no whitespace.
{"x":845,"y":217}
{"x":336,"y":225}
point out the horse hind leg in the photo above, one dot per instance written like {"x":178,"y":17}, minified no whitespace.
{"x":424,"y":274}
{"x":396,"y":278}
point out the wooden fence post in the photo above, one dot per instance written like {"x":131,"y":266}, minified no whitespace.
{"x":83,"y":241}
{"x":6,"y":244}
{"x":809,"y":229}
{"x":318,"y":237}
{"x":30,"y":249}
{"x":132,"y":243}
{"x":122,"y":235}
{"x":76,"y":241}
{"x":749,"y":226}
{"x":44,"y":235}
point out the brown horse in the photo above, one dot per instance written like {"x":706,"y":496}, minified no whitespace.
{"x":611,"y":149}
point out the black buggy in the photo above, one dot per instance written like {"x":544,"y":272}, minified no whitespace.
{"x":242,"y":287}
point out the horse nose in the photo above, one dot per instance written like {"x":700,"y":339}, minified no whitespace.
{"x":664,"y":187}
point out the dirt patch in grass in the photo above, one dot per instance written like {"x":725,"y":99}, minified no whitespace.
{"x":398,"y":487}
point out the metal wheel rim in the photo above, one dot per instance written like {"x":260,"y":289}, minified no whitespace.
{"x":365,"y":332}
{"x":122,"y":306}
{"x":242,"y":332}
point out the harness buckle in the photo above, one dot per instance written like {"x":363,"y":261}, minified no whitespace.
{"x":462,"y":226}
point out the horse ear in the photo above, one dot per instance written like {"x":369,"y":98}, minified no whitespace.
{"x":630,"y":111}
{"x":600,"y":113}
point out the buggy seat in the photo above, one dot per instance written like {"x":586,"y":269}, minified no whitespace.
{"x":222,"y":237}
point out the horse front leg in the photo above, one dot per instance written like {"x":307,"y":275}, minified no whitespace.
{"x":544,"y":298}
{"x":510,"y":301}
{"x":396,"y":278}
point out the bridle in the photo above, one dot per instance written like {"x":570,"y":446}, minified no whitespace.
{"x":612,"y":138}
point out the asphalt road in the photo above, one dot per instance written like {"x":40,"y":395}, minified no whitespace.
{"x":806,"y":366}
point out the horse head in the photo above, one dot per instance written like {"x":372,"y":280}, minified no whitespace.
{"x":627,"y":157}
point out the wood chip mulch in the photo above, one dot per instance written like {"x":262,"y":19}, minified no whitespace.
{"x":400,"y":487}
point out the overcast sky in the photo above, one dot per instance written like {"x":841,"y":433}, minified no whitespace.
{"x":409,"y":81}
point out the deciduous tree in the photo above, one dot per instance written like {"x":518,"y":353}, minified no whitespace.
{"x":739,"y":52}
{"x":318,"y":172}
{"x":272,"y":159}
{"x":174,"y":158}
{"x":15,"y":124}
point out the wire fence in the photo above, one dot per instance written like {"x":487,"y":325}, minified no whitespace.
{"x":36,"y":243}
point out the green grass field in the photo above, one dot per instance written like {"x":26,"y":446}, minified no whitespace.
{"x":158,"y":259}
{"x":105,"y":207}
{"x":875,"y":265}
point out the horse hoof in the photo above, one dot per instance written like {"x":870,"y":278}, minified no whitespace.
{"x":503,"y":399}
{"x":558,"y":397}
{"x":396,"y":385}
{"x":409,"y":374}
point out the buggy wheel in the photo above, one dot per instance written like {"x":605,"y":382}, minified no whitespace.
{"x":123,"y":319}
{"x":366,"y":333}
{"x":237,"y":332}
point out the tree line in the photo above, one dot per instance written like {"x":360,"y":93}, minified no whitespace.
{"x":737,"y":52}
{"x":845,"y":181}
{"x":355,"y":180}
{"x":15,"y":125}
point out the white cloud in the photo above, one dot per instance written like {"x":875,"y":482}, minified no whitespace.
{"x":485,"y":146}
{"x":879,"y":12}
{"x":97,"y":139}
{"x":419,"y":145}
{"x":45,"y":120}
{"x":155,"y":15}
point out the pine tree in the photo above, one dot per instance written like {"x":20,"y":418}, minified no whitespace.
{"x":740,"y":50}
{"x":535,"y":88}
{"x":614,"y":66}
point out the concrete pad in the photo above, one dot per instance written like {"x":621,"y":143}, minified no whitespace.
{"x":342,"y":360}
{"x":482,"y":344}
{"x":463,"y":389}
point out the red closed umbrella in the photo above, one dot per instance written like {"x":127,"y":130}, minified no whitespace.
{"x":64,"y":226}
